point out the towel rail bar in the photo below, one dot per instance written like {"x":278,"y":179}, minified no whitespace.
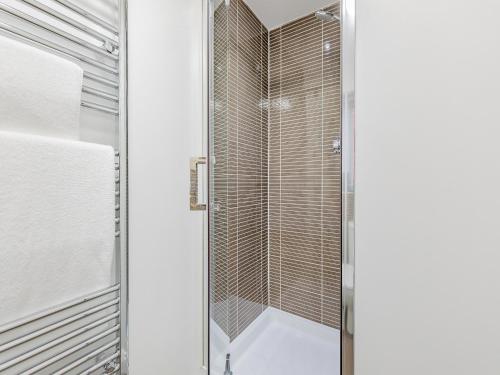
{"x":85,"y":358}
{"x":75,"y":8}
{"x":100,"y":364}
{"x":55,"y":47}
{"x":74,"y":349}
{"x":44,"y":25}
{"x":102,"y":80}
{"x":50,"y":328}
{"x":100,"y":93}
{"x":78,"y":25}
{"x":57,"y":309}
{"x":53,"y":343}
{"x":99,"y":107}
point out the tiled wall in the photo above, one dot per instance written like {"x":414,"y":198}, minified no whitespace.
{"x":239,"y":250}
{"x":304,"y":173}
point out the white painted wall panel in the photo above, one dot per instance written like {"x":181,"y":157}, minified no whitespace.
{"x":428,"y":183}
{"x":166,"y":239}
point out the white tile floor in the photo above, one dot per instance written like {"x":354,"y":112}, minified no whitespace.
{"x":278,"y":343}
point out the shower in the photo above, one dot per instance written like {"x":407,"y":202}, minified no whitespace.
{"x":326,"y":16}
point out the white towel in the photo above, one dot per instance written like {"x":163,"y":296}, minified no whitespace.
{"x":56,"y":222}
{"x":40,"y":93}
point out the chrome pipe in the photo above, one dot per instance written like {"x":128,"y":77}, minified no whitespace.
{"x":44,"y":25}
{"x":123,"y":253}
{"x":62,"y":17}
{"x":74,"y":349}
{"x":85,"y":358}
{"x":75,"y":8}
{"x":55,"y":47}
{"x":32,"y":353}
{"x":104,"y":81}
{"x":52,"y":327}
{"x":54,"y":310}
{"x":99,"y":107}
{"x":100,"y":364}
{"x":100,"y":93}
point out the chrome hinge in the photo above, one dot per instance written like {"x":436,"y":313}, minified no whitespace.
{"x":337,"y":145}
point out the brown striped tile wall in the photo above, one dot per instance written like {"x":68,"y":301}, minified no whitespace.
{"x":304,"y":174}
{"x":239,"y":250}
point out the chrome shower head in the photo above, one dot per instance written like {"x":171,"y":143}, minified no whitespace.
{"x":326,"y":16}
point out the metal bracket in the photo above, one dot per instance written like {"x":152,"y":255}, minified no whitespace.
{"x":337,"y":146}
{"x":110,"y":367}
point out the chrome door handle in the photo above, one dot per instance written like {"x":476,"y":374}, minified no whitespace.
{"x":193,"y":189}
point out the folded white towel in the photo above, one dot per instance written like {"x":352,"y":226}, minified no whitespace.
{"x":40,"y":93}
{"x":56,"y":222}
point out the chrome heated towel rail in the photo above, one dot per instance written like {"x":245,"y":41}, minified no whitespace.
{"x":88,"y":335}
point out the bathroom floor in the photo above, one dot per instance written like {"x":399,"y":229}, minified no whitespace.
{"x":279,"y":343}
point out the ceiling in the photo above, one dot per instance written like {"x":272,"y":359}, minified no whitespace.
{"x":275,"y":13}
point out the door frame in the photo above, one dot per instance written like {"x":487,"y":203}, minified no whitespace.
{"x":348,"y":185}
{"x":348,"y":27}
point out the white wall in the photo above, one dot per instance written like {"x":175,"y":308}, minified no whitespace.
{"x":428,"y":185}
{"x":166,"y":239}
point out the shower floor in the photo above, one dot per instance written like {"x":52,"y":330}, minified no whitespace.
{"x":279,"y":343}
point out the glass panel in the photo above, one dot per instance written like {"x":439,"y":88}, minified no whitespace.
{"x":218,"y":190}
{"x":275,"y":192}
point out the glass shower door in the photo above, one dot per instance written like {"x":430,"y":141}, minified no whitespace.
{"x":218,"y":193}
{"x":275,"y":210}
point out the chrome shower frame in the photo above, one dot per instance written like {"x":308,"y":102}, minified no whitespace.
{"x":348,"y":27}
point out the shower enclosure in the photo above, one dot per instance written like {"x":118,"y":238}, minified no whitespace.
{"x":280,"y":191}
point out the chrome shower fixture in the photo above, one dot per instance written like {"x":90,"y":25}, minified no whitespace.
{"x":326,"y":16}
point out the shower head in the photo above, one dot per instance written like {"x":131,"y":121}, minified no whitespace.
{"x":326,"y":16}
